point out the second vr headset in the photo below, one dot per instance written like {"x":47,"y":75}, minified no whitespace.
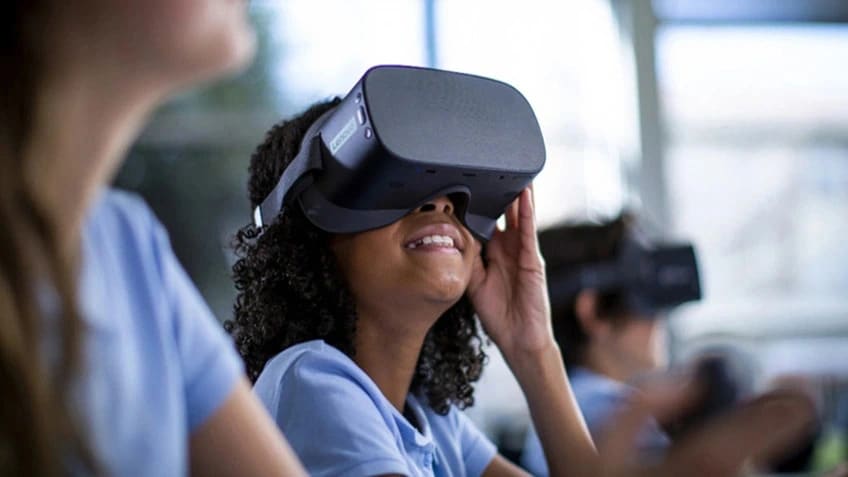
{"x":405,"y":135}
{"x":651,"y":279}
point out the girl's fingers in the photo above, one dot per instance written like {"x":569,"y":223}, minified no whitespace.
{"x":512,"y":213}
{"x":526,"y":217}
{"x":529,"y":246}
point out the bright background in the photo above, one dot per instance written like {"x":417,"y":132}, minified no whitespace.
{"x":722,"y":122}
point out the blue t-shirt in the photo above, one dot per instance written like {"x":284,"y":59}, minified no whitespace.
{"x":340,"y":424}
{"x":157,"y":363}
{"x":598,"y":398}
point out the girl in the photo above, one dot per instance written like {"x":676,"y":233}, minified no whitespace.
{"x":110,"y":362}
{"x":378,"y":337}
{"x":364,"y":346}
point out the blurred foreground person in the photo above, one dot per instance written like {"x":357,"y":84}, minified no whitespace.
{"x":110,"y":362}
{"x":610,"y":289}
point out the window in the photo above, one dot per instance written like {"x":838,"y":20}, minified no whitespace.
{"x":757,"y":124}
{"x":576,"y":90}
{"x":757,"y":174}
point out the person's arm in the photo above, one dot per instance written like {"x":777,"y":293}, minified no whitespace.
{"x":239,"y":439}
{"x":556,"y":417}
{"x":500,"y":467}
{"x":510,"y":296}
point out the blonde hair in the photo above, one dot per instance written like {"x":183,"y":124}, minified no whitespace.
{"x":38,"y":432}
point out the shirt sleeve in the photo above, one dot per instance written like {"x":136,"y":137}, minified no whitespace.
{"x":209,"y":363}
{"x":477,"y":450}
{"x":333,"y":422}
{"x":598,"y":409}
{"x":533,"y":457}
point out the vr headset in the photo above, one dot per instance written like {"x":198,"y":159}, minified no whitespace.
{"x":403,"y":136}
{"x":651,"y":279}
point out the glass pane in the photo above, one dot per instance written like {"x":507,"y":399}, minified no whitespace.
{"x":757,"y":123}
{"x":577,"y":92}
{"x":330,"y":44}
{"x":758,"y":156}
{"x":732,"y":81}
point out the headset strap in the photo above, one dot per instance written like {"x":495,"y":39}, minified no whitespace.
{"x":297,"y":176}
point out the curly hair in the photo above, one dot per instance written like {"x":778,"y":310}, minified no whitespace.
{"x":291,"y":290}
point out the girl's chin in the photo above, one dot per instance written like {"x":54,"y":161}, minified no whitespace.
{"x":447,"y":296}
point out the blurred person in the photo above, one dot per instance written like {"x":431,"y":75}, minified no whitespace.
{"x":364,"y":346}
{"x":110,"y":362}
{"x":607,"y":337}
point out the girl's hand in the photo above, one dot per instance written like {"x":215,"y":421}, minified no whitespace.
{"x":510,"y":294}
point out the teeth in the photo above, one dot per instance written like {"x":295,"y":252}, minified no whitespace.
{"x":438,"y":240}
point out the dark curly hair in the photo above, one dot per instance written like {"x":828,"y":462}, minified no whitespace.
{"x":291,"y":290}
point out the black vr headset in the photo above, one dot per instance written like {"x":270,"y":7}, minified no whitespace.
{"x":405,"y":135}
{"x":652,"y":279}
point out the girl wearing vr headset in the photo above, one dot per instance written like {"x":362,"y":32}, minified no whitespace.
{"x":110,"y":362}
{"x":605,"y":342}
{"x":364,"y":346}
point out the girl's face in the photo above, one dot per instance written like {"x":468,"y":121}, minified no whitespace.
{"x":424,"y":258}
{"x":162,"y":43}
